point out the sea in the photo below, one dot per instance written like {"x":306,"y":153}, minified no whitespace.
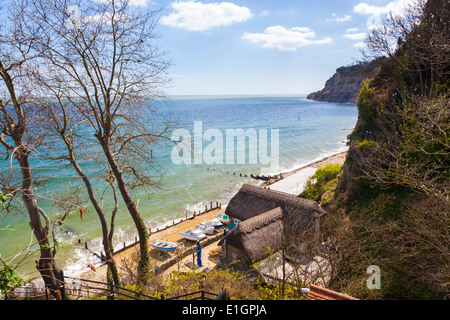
{"x":207,"y":164}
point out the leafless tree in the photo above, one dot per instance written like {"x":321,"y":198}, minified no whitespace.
{"x":409,"y":144}
{"x":20,"y":137}
{"x":410,"y":148}
{"x":298,"y":258}
{"x":386,"y":38}
{"x":417,"y":39}
{"x":111,"y":68}
{"x":395,"y":184}
{"x":62,"y":122}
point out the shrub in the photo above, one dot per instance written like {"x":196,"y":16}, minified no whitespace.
{"x":370,"y":104}
{"x":9,"y":279}
{"x":316,"y":185}
{"x":235,"y":282}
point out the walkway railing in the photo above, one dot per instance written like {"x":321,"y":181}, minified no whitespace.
{"x":87,"y":289}
{"x":212,"y":206}
{"x":82,"y":289}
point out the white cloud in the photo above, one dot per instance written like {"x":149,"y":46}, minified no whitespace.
{"x":344,"y":19}
{"x":352,"y":30}
{"x":377,"y":13}
{"x":355,"y":36}
{"x":395,"y":7}
{"x":137,"y":3}
{"x":285,"y":39}
{"x":197,"y":16}
{"x":338,"y":19}
{"x":106,"y":18}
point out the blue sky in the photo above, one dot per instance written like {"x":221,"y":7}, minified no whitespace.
{"x":262,"y":46}
{"x":237,"y":47}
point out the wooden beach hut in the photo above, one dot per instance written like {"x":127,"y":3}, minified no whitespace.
{"x":268,"y":219}
{"x":251,"y":201}
{"x":251,"y":239}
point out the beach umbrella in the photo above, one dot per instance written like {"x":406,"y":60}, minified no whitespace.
{"x":199,"y":254}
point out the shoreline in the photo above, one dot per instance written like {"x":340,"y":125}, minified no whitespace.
{"x":338,"y":157}
{"x":124,"y":258}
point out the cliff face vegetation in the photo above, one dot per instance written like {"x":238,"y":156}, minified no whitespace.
{"x":344,"y":85}
{"x":391,"y":206}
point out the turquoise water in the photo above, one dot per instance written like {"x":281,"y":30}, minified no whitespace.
{"x":307,"y":130}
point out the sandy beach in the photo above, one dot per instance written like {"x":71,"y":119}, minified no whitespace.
{"x":127,"y":258}
{"x":293,"y":182}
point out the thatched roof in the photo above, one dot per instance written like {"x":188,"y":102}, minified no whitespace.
{"x":255,"y":235}
{"x":251,"y":201}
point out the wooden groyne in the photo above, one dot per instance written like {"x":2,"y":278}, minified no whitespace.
{"x":256,"y":177}
{"x":267,"y":178}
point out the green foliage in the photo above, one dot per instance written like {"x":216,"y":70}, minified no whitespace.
{"x":4,"y":199}
{"x":425,"y":134}
{"x":365,"y":144}
{"x":370,"y":104}
{"x":329,"y":191}
{"x":385,"y":204}
{"x":9,"y":279}
{"x":397,"y":286}
{"x":394,"y":189}
{"x":279,"y":289}
{"x":274,"y":292}
{"x":317,"y":185}
{"x":316,"y":93}
{"x":235,"y":282}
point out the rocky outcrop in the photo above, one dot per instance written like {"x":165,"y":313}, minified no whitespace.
{"x":344,"y":85}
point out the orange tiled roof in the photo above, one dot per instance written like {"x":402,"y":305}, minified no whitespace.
{"x":319,"y":293}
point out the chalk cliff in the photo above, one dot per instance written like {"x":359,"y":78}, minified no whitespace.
{"x":344,"y":85}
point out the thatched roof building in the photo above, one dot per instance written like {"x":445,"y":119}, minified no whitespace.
{"x":250,"y":239}
{"x":268,"y":219}
{"x":251,"y":201}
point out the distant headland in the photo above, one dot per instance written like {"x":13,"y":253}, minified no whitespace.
{"x":344,"y":85}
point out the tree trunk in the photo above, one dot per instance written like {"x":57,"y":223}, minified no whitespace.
{"x":46,"y":264}
{"x":14,"y":127}
{"x":107,"y":245}
{"x":144,"y":263}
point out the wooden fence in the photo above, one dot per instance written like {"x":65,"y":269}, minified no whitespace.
{"x":76,"y":290}
{"x":87,"y":289}
{"x":82,"y":289}
{"x":101,"y":256}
